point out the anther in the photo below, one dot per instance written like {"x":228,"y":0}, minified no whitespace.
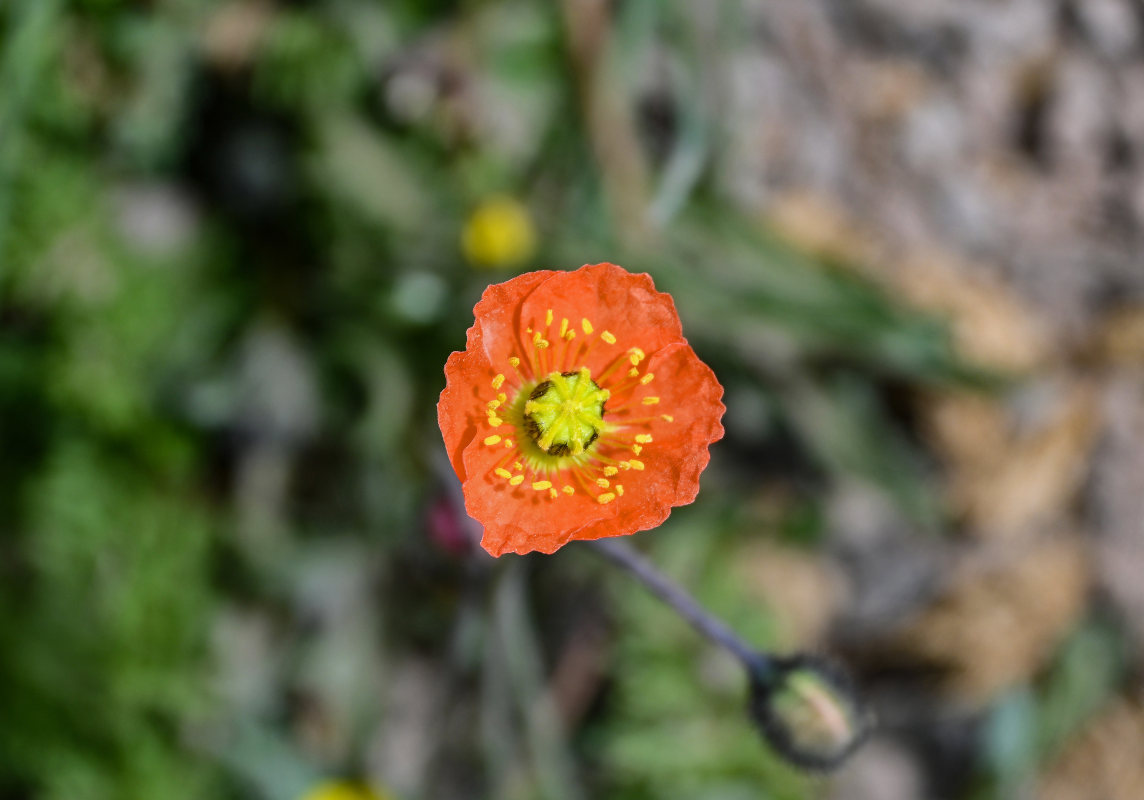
{"x":568,"y":490}
{"x":494,"y":404}
{"x":545,"y":442}
{"x":518,"y":466}
{"x":646,"y":379}
{"x":643,"y":438}
{"x":636,"y":355}
{"x":491,"y":440}
{"x":650,"y":400}
{"x":636,"y":465}
{"x":605,"y":498}
{"x":620,"y":489}
{"x":548,"y":318}
{"x":667,"y":417}
{"x":508,"y":444}
{"x":633,"y":372}
{"x":608,"y":337}
{"x":498,"y":381}
{"x":637,"y":449}
{"x":552,"y":493}
{"x":501,"y":472}
{"x":495,"y":421}
{"x":513,"y":362}
{"x":540,"y":486}
{"x":603,"y":483}
{"x":586,"y":326}
{"x":516,"y":480}
{"x":563,"y":327}
{"x":610,"y":471}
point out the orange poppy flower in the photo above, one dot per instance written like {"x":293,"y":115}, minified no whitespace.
{"x":577,"y":410}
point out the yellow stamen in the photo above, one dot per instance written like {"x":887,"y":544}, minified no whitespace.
{"x":586,"y":326}
{"x":495,"y":421}
{"x":563,"y":327}
{"x":650,"y":400}
{"x":610,"y":471}
{"x":516,"y":480}
{"x":603,"y":483}
{"x":498,"y":381}
{"x":494,"y":404}
{"x":636,"y":356}
{"x":626,"y":464}
{"x":508,"y":444}
{"x":552,"y":493}
{"x":517,"y":466}
{"x":513,"y":362}
{"x":667,"y":417}
{"x":548,"y":318}
{"x":608,"y":337}
{"x":620,"y":489}
{"x":636,"y":465}
{"x":568,"y":490}
{"x":637,"y":449}
{"x":545,"y":441}
{"x":502,"y":397}
{"x":491,"y":440}
{"x":540,"y":486}
{"x":570,"y":335}
{"x":646,"y":379}
{"x":539,"y":341}
{"x":605,"y":498}
{"x":633,"y":372}
{"x":643,"y":438}
{"x":503,"y":473}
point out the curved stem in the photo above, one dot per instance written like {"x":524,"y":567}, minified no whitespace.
{"x":683,"y":603}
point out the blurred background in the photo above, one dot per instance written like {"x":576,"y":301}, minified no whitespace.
{"x":238,"y":240}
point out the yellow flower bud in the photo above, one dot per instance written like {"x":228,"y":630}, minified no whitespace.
{"x":499,"y":233}
{"x":342,"y":790}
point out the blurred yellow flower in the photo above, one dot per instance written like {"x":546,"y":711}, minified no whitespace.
{"x":499,"y":233}
{"x":342,"y":790}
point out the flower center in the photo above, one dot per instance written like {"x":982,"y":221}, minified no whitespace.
{"x":564,"y":414}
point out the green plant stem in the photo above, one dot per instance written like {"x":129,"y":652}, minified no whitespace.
{"x":683,"y":603}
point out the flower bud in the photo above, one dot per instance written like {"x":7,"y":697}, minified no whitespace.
{"x":808,"y":711}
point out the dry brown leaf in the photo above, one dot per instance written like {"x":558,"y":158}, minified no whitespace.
{"x":1116,"y":499}
{"x":1104,"y":762}
{"x":966,"y":429}
{"x":999,"y":622}
{"x":802,"y":590}
{"x":991,"y":326}
{"x":815,"y":225}
{"x":1119,"y":340}
{"x":1036,"y":476}
{"x":233,"y":32}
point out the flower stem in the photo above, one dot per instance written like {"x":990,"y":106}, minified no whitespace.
{"x":684,"y":604}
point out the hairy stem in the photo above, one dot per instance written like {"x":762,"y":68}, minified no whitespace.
{"x":683,"y":603}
